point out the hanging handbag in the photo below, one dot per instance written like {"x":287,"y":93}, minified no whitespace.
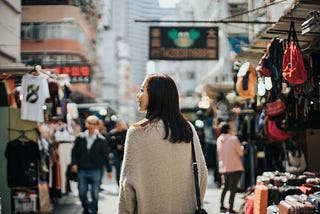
{"x":273,"y":133}
{"x":275,"y":108}
{"x":199,"y":210}
{"x":293,"y":69}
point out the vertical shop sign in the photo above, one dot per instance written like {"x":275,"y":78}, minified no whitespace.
{"x":183,"y":43}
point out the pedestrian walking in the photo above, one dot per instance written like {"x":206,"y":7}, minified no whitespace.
{"x":230,"y":152}
{"x":157,"y":175}
{"x":89,"y":154}
{"x":116,"y":138}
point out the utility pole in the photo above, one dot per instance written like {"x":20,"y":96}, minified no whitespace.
{"x":45,"y":40}
{"x":250,"y":15}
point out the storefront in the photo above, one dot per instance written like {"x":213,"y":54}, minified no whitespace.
{"x":38,"y":126}
{"x":285,"y":109}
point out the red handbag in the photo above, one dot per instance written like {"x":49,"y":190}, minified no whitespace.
{"x":293,"y":69}
{"x":273,"y":133}
{"x":275,"y":108}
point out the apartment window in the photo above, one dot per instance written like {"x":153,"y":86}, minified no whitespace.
{"x":27,"y":31}
{"x":53,"y":31}
{"x":33,"y":31}
{"x":31,"y":60}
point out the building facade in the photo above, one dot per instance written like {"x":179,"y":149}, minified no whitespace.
{"x":62,"y":35}
{"x":124,"y":53}
{"x":10,"y":16}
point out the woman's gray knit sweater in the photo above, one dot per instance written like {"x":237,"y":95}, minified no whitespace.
{"x":157,"y":175}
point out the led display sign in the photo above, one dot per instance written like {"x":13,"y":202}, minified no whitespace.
{"x":183,"y":43}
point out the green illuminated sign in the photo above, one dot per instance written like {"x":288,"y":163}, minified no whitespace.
{"x":183,"y":43}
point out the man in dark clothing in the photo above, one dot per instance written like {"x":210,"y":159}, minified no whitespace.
{"x":117,"y":137}
{"x":89,"y":154}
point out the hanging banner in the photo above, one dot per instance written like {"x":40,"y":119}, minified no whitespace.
{"x":183,"y":43}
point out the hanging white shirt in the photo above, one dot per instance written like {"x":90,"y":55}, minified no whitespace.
{"x":35,"y":90}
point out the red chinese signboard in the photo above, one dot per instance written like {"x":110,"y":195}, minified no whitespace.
{"x":77,"y":73}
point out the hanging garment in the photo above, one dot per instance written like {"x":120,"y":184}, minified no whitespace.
{"x":246,"y":81}
{"x":62,"y":134}
{"x":35,"y":91}
{"x":22,"y":165}
{"x":64,"y":152}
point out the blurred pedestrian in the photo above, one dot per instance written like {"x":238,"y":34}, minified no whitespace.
{"x":89,"y":154}
{"x":157,"y":173}
{"x":222,"y":108}
{"x":230,"y":152}
{"x":116,"y":138}
{"x":103,"y":130}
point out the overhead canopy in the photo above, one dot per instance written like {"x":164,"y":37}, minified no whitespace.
{"x":299,"y":14}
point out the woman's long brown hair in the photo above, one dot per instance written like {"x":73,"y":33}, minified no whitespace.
{"x":164,"y":104}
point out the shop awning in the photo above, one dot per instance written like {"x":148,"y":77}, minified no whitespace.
{"x":299,"y":14}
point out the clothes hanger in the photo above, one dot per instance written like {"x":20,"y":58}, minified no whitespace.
{"x":23,"y":136}
{"x":35,"y":71}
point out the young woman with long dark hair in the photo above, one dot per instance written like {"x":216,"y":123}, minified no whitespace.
{"x":157,"y":174}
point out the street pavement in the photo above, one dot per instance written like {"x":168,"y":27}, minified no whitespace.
{"x":108,"y":199}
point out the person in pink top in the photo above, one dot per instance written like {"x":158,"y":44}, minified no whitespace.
{"x":230,"y":152}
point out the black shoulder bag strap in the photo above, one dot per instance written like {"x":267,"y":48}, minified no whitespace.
{"x":195,"y":172}
{"x":292,"y":34}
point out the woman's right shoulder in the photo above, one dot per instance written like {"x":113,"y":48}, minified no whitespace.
{"x":134,"y":131}
{"x":136,"y":137}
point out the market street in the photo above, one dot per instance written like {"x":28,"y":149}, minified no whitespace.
{"x":109,"y":197}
